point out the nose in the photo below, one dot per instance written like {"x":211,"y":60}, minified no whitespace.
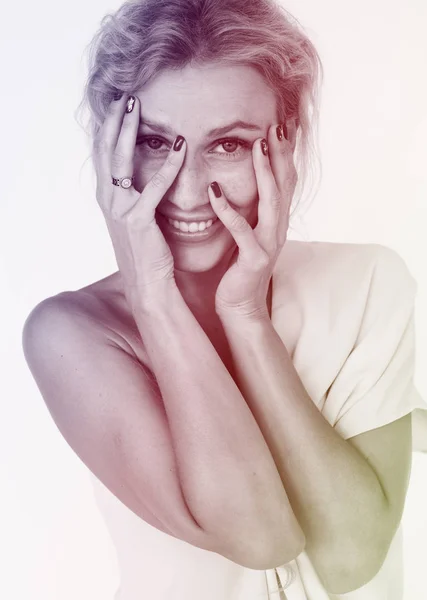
{"x":189,"y":191}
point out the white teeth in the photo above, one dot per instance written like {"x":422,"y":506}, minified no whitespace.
{"x":191,"y":227}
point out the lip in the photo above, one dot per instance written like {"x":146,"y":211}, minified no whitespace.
{"x":196,"y":236}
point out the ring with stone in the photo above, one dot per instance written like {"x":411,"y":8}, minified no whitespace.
{"x":124,"y":182}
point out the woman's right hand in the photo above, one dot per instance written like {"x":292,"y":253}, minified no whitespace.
{"x":143,"y":255}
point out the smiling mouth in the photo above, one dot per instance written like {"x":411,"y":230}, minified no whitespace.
{"x":187,"y":231}
{"x":191,"y":226}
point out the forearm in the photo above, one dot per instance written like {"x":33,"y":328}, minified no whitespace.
{"x":228,"y":476}
{"x":334,"y":492}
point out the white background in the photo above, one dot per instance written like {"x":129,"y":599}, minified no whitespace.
{"x":372,"y":140}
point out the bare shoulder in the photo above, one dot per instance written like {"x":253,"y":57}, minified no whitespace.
{"x":107,"y":404}
{"x":100,"y":309}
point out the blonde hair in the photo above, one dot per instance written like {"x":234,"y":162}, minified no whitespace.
{"x":144,"y":37}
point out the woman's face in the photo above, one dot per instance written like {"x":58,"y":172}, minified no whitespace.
{"x":220,"y":111}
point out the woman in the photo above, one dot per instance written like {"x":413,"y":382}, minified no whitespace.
{"x":243,"y":401}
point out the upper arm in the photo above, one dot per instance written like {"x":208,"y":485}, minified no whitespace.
{"x":388,"y":450}
{"x":375,"y":384}
{"x":109,"y":409}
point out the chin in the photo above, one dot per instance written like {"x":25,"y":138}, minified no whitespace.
{"x":201,"y":260}
{"x":196,"y":264}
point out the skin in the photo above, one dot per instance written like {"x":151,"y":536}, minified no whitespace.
{"x":363,"y":517}
{"x":175,"y":98}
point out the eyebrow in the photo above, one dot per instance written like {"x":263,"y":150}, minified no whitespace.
{"x":218,"y":131}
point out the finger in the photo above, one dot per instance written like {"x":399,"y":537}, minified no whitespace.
{"x":123,"y":154}
{"x":106,"y":138}
{"x":270,"y":199}
{"x":161,"y":181}
{"x":281,"y":141}
{"x":250,"y":252}
{"x":281,"y":157}
{"x":279,"y":154}
{"x":279,"y":147}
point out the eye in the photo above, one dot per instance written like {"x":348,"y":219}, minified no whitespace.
{"x":232,"y":147}
{"x":153,"y":144}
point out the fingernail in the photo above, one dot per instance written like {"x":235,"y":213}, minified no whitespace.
{"x":178,"y":143}
{"x":117,"y":96}
{"x":279,"y":133}
{"x":130,"y":104}
{"x":264,"y":147}
{"x":216,"y":189}
{"x":285,"y":130}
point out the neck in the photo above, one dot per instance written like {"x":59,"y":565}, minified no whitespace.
{"x":198,"y":289}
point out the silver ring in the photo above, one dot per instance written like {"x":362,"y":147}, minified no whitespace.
{"x":124,"y":182}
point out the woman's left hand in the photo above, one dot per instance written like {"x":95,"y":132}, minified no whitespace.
{"x":243,"y":289}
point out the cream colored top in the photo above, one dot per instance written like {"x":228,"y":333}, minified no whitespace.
{"x":346,"y":315}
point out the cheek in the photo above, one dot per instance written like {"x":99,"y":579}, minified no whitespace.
{"x":240,"y":187}
{"x":238,"y":181}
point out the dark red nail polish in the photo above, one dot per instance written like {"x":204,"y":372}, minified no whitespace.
{"x":130,"y":104}
{"x":264,"y":147}
{"x":279,"y":133}
{"x":216,"y":189}
{"x":178,"y":143}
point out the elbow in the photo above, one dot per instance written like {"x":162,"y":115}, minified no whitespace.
{"x":265,"y":543}
{"x":284,"y":553}
{"x":350,"y":559}
{"x":273,"y":552}
{"x":282,"y":542}
{"x":349,"y":570}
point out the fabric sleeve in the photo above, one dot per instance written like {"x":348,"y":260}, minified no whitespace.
{"x":375,"y":385}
